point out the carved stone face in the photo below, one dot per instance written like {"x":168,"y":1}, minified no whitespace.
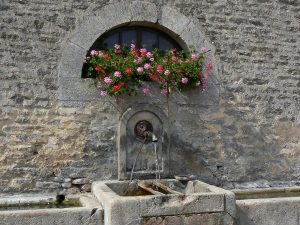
{"x":141,"y":127}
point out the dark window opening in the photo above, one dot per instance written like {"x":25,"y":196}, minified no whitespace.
{"x":142,"y":37}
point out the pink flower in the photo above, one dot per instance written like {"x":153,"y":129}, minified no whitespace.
{"x":198,"y":83}
{"x":103,"y":93}
{"x":117,"y":74}
{"x":149,"y":55}
{"x":147,"y":66}
{"x":184,"y":80}
{"x":195,"y":56}
{"x":143,"y":51}
{"x":99,"y":85}
{"x":94,"y":52}
{"x":132,"y":47}
{"x":151,"y":59}
{"x":107,"y":80}
{"x":173,"y":51}
{"x":174,"y":58}
{"x":139,"y":59}
{"x":118,"y":49}
{"x":167,"y":72}
{"x":164,"y":91}
{"x":159,"y":69}
{"x":140,"y":69}
{"x":146,"y":91}
{"x":204,"y":49}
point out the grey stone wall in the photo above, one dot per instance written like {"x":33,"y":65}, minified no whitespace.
{"x":252,"y":134}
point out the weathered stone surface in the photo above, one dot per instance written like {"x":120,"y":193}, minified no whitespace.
{"x":121,"y":208}
{"x":90,"y":214}
{"x":193,"y":219}
{"x":251,"y":132}
{"x":80,"y":181}
{"x":86,"y":188}
{"x":268,"y":211}
{"x":66,"y":185}
{"x":47,"y":185}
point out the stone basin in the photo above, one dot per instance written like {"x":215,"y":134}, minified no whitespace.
{"x":33,"y":210}
{"x":126,"y":203}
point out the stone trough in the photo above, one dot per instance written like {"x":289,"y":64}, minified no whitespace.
{"x":35,"y":210}
{"x":169,"y":200}
{"x":268,"y":206}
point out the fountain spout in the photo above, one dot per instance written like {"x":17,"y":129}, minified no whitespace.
{"x":150,"y":136}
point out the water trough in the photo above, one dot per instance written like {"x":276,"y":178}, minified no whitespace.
{"x":44,"y":210}
{"x":137,"y":202}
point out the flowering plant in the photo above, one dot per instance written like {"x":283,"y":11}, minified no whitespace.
{"x":121,"y":70}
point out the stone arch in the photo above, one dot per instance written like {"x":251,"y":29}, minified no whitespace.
{"x":74,"y":91}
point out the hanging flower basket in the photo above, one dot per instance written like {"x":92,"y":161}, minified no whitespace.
{"x":122,"y":71}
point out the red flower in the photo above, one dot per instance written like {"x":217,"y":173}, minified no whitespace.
{"x":159,"y":69}
{"x":105,"y":56}
{"x":173,"y":51}
{"x":200,"y":74}
{"x":98,"y":68}
{"x":134,"y":53}
{"x":154,"y":77}
{"x":174,"y":58}
{"x":101,"y":71}
{"x":128,"y":71}
{"x":121,"y":84}
{"x":117,"y":87}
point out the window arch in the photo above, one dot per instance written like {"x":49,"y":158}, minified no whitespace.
{"x":142,"y":37}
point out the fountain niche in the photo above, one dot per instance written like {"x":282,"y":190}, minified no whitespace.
{"x":144,"y":193}
{"x":144,"y":140}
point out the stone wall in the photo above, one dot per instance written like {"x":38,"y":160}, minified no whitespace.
{"x":251,"y":135}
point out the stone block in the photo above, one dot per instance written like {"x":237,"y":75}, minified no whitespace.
{"x":143,"y":11}
{"x":71,"y":62}
{"x":92,"y":27}
{"x":77,"y":89}
{"x":170,"y":19}
{"x":193,"y":36}
{"x":122,"y":211}
{"x":86,"y":187}
{"x":87,"y":32}
{"x":207,"y":219}
{"x":88,"y":215}
{"x":209,"y":97}
{"x":47,"y":185}
{"x":185,"y":204}
{"x":268,"y":211}
{"x":66,"y":185}
{"x":154,"y":221}
{"x":81,"y":181}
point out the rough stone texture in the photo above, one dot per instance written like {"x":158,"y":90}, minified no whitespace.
{"x":193,"y":219}
{"x":52,"y":217}
{"x":91,"y":213}
{"x":193,"y":198}
{"x":251,"y":133}
{"x":268,"y":211}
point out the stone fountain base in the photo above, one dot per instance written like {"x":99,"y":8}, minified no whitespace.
{"x":165,"y":202}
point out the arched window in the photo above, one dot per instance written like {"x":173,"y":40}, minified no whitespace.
{"x":145,"y":37}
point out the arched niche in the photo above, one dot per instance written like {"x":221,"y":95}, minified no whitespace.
{"x":75,"y":91}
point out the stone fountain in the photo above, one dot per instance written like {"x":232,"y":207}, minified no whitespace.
{"x":143,"y":194}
